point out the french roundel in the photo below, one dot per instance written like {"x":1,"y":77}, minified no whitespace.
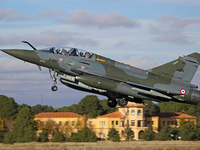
{"x":183,"y":91}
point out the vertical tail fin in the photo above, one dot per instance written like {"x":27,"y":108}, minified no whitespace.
{"x":181,"y":69}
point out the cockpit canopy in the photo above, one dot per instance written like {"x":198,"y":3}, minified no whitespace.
{"x":68,"y":51}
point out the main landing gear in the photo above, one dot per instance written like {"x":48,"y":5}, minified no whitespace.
{"x":120,"y":101}
{"x":112,"y":103}
{"x":53,"y":77}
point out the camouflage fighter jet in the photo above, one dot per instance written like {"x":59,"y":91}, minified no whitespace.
{"x":120,"y":82}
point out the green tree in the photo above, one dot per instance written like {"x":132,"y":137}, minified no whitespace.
{"x":3,"y":126}
{"x":58,"y":137}
{"x":8,"y":138}
{"x":23,"y":128}
{"x":113,"y":135}
{"x":89,"y":105}
{"x":84,"y":135}
{"x":188,"y":131}
{"x":8,"y":108}
{"x":43,"y":137}
{"x":41,"y":108}
{"x":105,"y":108}
{"x":189,"y":109}
{"x":128,"y":133}
{"x":164,"y":134}
{"x":148,"y":134}
{"x":71,"y":108}
{"x":1,"y":136}
{"x":22,"y":106}
{"x":151,"y":108}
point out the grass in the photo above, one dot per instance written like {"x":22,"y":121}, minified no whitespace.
{"x":106,"y":145}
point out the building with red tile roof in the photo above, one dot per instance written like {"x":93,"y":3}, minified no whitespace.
{"x":132,"y":115}
{"x":171,"y":119}
{"x":57,"y":115}
{"x":116,"y":114}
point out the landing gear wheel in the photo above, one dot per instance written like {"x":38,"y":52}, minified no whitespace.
{"x":112,"y":103}
{"x":54,"y":88}
{"x":53,"y":77}
{"x":122,"y":102}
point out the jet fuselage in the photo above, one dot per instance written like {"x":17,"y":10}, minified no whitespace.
{"x":93,"y":73}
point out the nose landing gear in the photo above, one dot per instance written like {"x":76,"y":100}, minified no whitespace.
{"x":53,"y":77}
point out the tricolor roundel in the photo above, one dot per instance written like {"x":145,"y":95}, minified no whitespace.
{"x":183,"y":91}
{"x":61,"y":59}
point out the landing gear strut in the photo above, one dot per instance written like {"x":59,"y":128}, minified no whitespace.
{"x":112,"y":103}
{"x":53,"y":77}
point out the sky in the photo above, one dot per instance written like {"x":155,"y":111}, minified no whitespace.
{"x":142,"y":33}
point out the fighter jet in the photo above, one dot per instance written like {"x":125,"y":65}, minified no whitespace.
{"x":119,"y":82}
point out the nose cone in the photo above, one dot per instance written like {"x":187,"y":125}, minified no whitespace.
{"x":25,"y":55}
{"x":14,"y":53}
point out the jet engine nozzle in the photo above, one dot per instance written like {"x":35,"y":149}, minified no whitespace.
{"x":195,"y":97}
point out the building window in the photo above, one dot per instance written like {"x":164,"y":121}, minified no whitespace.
{"x":172,"y":122}
{"x":90,"y":123}
{"x":113,"y":122}
{"x":176,"y":123}
{"x":102,"y":123}
{"x":66,"y":123}
{"x":132,"y":112}
{"x":128,"y":112}
{"x":152,"y":122}
{"x":127,"y":122}
{"x":73,"y":123}
{"x":116,"y":122}
{"x":139,"y":112}
{"x":148,"y":122}
{"x":168,"y":123}
{"x":122,"y":123}
{"x":139,"y":123}
{"x":163,"y":123}
{"x":132,"y":122}
{"x":60,"y":123}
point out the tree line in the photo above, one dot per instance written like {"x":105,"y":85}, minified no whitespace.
{"x":17,"y":124}
{"x":187,"y":131}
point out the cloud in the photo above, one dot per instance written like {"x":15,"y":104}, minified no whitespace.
{"x":79,"y":17}
{"x":12,"y":15}
{"x":6,"y":12}
{"x":86,"y":18}
{"x":47,"y":38}
{"x":56,"y":14}
{"x":171,"y":30}
{"x":9,"y":39}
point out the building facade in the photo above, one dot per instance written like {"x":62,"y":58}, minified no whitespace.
{"x":132,"y":115}
{"x":170,"y":119}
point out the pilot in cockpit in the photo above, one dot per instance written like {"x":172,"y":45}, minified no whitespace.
{"x":53,"y":50}
{"x":64,"y":51}
{"x":81,"y":54}
{"x":88,"y":55}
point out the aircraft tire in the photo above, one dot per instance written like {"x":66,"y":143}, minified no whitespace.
{"x":122,"y":102}
{"x":111,"y":103}
{"x":54,"y":88}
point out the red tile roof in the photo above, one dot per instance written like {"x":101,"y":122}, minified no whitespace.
{"x":172,"y":115}
{"x":57,"y":115}
{"x":116,"y":114}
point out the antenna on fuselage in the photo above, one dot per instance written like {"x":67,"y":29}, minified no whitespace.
{"x":29,"y":45}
